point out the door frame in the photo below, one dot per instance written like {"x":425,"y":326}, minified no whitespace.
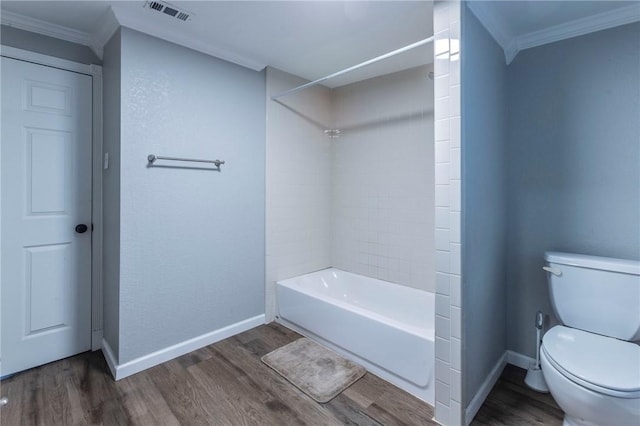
{"x":95,"y":72}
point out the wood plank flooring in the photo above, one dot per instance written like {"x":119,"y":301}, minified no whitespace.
{"x":511,"y":402}
{"x":227,"y":384}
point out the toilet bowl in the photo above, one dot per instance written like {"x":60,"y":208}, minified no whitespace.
{"x":591,"y":363}
{"x":594,"y":379}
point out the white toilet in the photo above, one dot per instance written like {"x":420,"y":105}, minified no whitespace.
{"x":591,"y":363}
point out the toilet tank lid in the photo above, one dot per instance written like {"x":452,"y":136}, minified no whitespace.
{"x":609,"y":364}
{"x":625,"y":266}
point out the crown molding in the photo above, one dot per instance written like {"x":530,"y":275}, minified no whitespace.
{"x":512,"y":44}
{"x":110,"y":23}
{"x":108,"y":26}
{"x":578,"y":27}
{"x":38,"y":26}
{"x":165,"y":33}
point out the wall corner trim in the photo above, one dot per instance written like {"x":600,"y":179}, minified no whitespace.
{"x":120,"y":371}
{"x":485,"y":389}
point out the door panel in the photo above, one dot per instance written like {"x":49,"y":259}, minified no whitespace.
{"x":46,"y":192}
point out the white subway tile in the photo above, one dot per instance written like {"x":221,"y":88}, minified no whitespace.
{"x":455,"y":258}
{"x":443,"y":393}
{"x":442,"y":283}
{"x":454,"y":101}
{"x":443,"y":172}
{"x":443,"y":371}
{"x":441,"y":86}
{"x":455,"y":196}
{"x":454,"y":226}
{"x":455,"y":413}
{"x":455,"y":290}
{"x":456,"y":385}
{"x":454,"y":132}
{"x":441,"y":108}
{"x":442,"y":129}
{"x":456,"y":322}
{"x":442,"y":349}
{"x":443,"y":261}
{"x":442,"y":414}
{"x":456,"y":353}
{"x":442,"y":305}
{"x":443,"y":327}
{"x":454,"y":159}
{"x":442,"y":239}
{"x":442,"y":196}
{"x":442,"y":217}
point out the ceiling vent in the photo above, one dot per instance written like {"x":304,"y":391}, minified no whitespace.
{"x":168,"y":9}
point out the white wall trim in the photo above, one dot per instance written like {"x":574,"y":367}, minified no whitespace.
{"x":96,"y":209}
{"x":512,"y":44}
{"x":519,"y":360}
{"x":110,"y":357}
{"x":38,"y":26}
{"x":601,"y":21}
{"x":120,"y":371}
{"x":165,"y":33}
{"x":50,"y":61}
{"x":485,"y":389}
{"x":107,"y":28}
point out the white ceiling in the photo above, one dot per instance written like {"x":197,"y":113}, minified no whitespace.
{"x":306,"y":38}
{"x":315,"y":38}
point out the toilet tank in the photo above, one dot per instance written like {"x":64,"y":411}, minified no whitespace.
{"x":595,"y":294}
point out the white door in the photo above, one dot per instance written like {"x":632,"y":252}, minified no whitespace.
{"x":46,"y":193}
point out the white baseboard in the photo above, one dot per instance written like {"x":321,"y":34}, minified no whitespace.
{"x":477,"y":401}
{"x":509,"y":357}
{"x":519,"y":360}
{"x":109,"y":356}
{"x":120,"y":371}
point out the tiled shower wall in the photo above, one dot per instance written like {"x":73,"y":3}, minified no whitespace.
{"x":448,"y":323}
{"x":298,"y":185}
{"x":383,"y":178}
{"x":371,"y":191}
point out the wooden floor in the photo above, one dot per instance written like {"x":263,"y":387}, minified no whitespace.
{"x":511,"y":402}
{"x":227,"y":384}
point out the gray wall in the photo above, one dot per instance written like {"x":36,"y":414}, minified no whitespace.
{"x":484,"y":198}
{"x":192,"y":249}
{"x":111,"y":193}
{"x":574,"y":162}
{"x":46,"y":45}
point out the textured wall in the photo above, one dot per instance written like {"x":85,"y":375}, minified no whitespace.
{"x":192,"y":241}
{"x":484,"y":200}
{"x":298,"y":182}
{"x":574,"y":162}
{"x":383,"y":178}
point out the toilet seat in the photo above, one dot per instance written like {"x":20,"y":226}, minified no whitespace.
{"x":602,"y":364}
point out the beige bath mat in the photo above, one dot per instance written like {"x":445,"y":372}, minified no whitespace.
{"x":315,"y":370}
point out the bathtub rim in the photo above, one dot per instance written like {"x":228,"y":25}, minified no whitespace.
{"x":427,"y":332}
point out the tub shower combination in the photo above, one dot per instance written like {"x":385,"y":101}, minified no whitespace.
{"x":387,"y":328}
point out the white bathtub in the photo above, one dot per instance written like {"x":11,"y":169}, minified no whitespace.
{"x":387,"y":328}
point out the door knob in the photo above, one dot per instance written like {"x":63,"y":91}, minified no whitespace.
{"x":82,"y":228}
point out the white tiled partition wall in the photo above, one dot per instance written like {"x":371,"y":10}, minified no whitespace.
{"x":298,"y":184}
{"x":383,"y":179}
{"x":448,"y":324}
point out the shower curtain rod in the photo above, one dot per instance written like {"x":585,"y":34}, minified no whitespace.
{"x":353,"y":68}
